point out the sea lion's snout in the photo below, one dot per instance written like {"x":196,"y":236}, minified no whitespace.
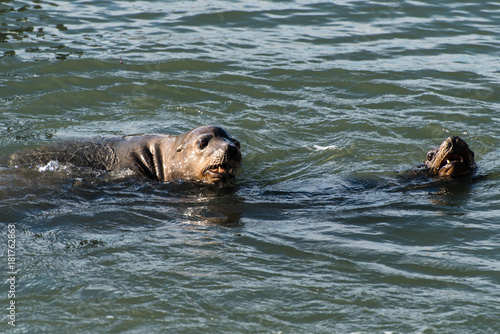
{"x":233,"y":149}
{"x":223,"y":162}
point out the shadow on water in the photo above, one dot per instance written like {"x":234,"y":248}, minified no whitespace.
{"x":441,"y":191}
{"x":337,"y":188}
{"x":55,"y":196}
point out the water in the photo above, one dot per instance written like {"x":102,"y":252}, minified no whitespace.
{"x":331,"y":101}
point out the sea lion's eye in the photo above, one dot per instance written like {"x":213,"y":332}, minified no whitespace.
{"x":430,"y":156}
{"x":202,"y":143}
{"x":237,"y":143}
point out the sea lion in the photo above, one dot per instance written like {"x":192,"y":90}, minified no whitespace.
{"x":206,"y":154}
{"x":452,"y":158}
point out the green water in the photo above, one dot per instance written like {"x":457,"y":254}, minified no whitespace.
{"x":319,"y":234}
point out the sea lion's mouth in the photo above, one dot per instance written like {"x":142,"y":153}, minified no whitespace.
{"x":453,"y":164}
{"x":221,"y":172}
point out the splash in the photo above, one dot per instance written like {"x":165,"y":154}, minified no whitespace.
{"x":51,"y":166}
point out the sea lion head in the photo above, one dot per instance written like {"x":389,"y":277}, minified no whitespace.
{"x":452,"y":158}
{"x":209,"y":155}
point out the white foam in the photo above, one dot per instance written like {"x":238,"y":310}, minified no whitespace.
{"x":50,"y":167}
{"x":324,"y":148}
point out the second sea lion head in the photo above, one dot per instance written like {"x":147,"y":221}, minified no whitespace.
{"x":452,"y":158}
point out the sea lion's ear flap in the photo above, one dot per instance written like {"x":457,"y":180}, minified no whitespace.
{"x":180,"y":143}
{"x":180,"y":147}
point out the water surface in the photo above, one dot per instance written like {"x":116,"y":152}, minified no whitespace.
{"x":320,"y":233}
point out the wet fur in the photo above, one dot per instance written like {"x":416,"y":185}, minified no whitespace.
{"x":156,"y":156}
